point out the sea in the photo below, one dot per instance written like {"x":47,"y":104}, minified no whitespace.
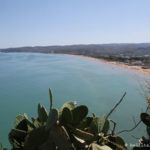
{"x":26,"y":77}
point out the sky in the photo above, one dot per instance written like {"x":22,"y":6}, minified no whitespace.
{"x":66,"y":22}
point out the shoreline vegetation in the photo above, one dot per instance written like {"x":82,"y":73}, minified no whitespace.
{"x":129,"y":56}
{"x":136,"y":68}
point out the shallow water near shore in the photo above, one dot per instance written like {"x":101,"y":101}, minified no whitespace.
{"x":26,"y":77}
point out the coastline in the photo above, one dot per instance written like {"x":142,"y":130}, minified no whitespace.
{"x":137,"y":69}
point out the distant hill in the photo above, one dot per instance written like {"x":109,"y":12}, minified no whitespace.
{"x":95,"y":50}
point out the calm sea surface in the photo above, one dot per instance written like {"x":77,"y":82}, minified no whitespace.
{"x":26,"y":77}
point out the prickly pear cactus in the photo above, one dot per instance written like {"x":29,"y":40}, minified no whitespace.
{"x":144,"y":143}
{"x":145,"y":119}
{"x":1,"y":147}
{"x":99,"y":125}
{"x":42,"y":114}
{"x":94,"y":146}
{"x":67,"y":128}
{"x":52,"y":119}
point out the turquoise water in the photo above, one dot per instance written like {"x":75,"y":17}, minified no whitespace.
{"x":26,"y":77}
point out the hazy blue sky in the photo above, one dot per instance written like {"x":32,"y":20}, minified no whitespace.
{"x":55,"y":22}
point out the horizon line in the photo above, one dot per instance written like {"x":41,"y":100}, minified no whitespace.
{"x":61,"y":45}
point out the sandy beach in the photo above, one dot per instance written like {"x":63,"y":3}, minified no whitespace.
{"x":137,"y":69}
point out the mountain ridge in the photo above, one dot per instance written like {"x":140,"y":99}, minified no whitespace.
{"x":112,"y":49}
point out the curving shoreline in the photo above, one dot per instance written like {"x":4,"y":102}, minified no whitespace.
{"x":137,"y":69}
